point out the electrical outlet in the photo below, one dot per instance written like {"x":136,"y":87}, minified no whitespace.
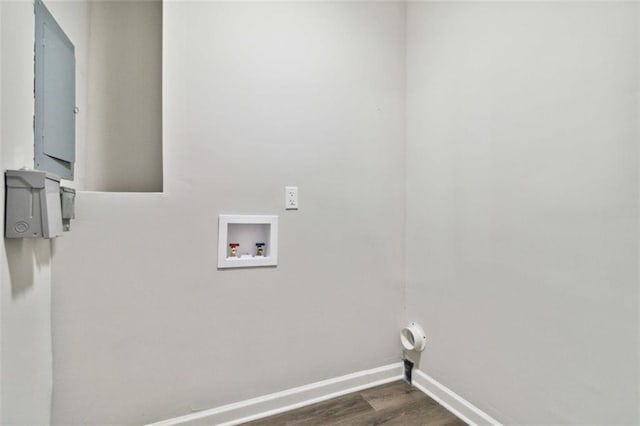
{"x":291,"y":197}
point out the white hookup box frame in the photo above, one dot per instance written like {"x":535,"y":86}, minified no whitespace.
{"x":247,"y":231}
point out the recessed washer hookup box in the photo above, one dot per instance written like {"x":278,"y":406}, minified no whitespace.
{"x":33,"y":208}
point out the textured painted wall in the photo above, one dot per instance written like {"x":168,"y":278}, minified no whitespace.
{"x":522,"y":205}
{"x":256,"y":96}
{"x":25,"y":265}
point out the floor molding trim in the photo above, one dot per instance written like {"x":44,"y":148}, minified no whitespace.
{"x":453,"y":402}
{"x":290,"y":399}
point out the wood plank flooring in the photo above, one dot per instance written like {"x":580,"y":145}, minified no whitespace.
{"x":396,"y":403}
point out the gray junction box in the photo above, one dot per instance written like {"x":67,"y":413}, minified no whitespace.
{"x":68,"y":197}
{"x":33,"y":204}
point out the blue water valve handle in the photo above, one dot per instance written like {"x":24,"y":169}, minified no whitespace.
{"x":260,"y":249}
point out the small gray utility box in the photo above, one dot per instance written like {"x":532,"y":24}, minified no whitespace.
{"x":68,"y":197}
{"x":33,"y":206}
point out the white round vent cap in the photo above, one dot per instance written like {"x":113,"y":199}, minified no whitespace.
{"x":413,"y":337}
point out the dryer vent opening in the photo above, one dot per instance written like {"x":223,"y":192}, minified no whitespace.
{"x":413,"y":337}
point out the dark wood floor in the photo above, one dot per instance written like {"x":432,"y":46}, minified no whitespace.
{"x":396,"y":403}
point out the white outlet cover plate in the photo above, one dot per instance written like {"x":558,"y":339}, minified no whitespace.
{"x":291,"y":197}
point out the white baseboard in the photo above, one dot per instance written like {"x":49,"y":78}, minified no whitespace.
{"x":453,"y":402}
{"x":279,"y":402}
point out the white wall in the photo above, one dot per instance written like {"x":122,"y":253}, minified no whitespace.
{"x":25,"y":294}
{"x":521,"y":211}
{"x":124,"y":149}
{"x":25,"y":265}
{"x":522,"y":205}
{"x":257,"y":96}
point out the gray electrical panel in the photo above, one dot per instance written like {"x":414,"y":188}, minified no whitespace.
{"x":55,"y":96}
{"x":33,"y":204}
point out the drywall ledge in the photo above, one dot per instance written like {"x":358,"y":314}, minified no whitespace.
{"x":453,"y":402}
{"x":290,"y":399}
